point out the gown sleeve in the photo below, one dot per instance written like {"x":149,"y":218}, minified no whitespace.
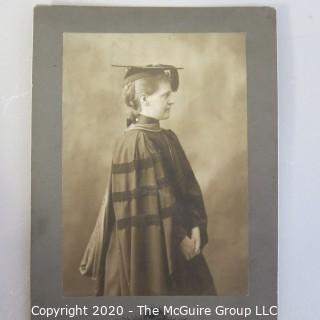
{"x":93,"y":261}
{"x":144,"y":206}
{"x":191,"y":195}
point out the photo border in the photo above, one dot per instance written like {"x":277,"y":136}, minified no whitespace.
{"x":259,"y":24}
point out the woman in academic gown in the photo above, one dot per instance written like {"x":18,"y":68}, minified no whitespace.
{"x":152,"y":225}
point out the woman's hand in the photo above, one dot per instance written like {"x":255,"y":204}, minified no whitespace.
{"x":190,"y":247}
{"x":187,"y":246}
{"x":195,"y":235}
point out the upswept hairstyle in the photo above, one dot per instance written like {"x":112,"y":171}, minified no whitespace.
{"x":132,"y":91}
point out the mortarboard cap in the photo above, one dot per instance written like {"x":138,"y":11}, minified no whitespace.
{"x":138,"y":72}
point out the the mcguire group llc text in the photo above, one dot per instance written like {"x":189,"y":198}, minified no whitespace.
{"x":146,"y":310}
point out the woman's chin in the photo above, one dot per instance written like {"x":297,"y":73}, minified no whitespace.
{"x":166,"y":116}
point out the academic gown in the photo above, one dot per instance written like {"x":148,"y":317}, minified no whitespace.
{"x":152,"y":202}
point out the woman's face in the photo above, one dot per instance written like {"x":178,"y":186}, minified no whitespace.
{"x":158,"y":104}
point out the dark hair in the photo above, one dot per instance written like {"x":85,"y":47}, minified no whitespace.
{"x":132,"y":91}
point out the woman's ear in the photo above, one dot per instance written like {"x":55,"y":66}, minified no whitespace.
{"x":143,"y":100}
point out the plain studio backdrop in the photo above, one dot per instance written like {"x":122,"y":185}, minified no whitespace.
{"x":209,"y":117}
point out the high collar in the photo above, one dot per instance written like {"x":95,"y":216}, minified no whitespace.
{"x":142,"y":119}
{"x":145,"y":123}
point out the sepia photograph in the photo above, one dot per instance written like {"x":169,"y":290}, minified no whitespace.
{"x":155,"y":164}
